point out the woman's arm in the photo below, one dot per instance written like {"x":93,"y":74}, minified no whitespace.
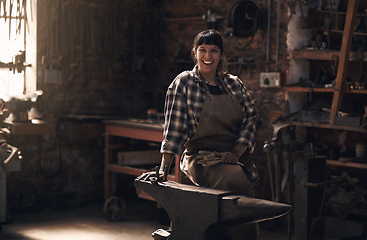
{"x":167,"y":159}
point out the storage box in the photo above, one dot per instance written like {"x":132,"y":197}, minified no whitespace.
{"x":145,"y":157}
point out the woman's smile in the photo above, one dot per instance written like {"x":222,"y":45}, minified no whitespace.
{"x":207,"y":62}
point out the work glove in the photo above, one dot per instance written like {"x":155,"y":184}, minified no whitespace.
{"x":229,"y":158}
{"x":153,"y":176}
{"x":209,"y":158}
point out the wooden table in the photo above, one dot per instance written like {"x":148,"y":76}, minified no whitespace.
{"x":133,"y":129}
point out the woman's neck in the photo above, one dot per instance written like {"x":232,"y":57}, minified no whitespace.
{"x":209,"y":77}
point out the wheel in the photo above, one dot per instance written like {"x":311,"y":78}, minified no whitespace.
{"x":114,"y":208}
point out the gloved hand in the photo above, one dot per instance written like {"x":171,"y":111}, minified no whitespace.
{"x":153,"y":176}
{"x":208,"y":158}
{"x":229,"y":158}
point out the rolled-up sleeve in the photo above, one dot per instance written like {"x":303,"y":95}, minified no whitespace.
{"x":248,"y":128}
{"x":175,"y":128}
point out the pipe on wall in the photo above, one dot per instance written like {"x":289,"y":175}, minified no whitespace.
{"x":277,"y":37}
{"x":268,"y":37}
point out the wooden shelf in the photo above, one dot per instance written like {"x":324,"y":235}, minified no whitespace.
{"x":328,"y":126}
{"x":338,"y":13}
{"x":308,"y":90}
{"x":335,"y":31}
{"x":347,"y":164}
{"x":358,"y":91}
{"x":326,"y":90}
{"x":325,"y":55}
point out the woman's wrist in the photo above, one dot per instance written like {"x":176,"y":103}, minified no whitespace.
{"x":238,"y":150}
{"x":166,"y":161}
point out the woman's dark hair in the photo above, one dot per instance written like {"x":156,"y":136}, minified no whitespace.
{"x":210,"y":37}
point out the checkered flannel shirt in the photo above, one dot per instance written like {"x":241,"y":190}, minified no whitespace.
{"x":184,"y":100}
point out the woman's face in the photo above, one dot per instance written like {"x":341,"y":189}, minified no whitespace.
{"x":208,"y":57}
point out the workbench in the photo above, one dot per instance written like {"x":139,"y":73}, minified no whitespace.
{"x":139,"y":129}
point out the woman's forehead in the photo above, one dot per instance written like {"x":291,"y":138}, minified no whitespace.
{"x":204,"y":45}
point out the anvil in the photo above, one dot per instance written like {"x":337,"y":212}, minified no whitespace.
{"x":195,"y":211}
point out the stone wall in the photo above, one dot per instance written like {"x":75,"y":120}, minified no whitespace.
{"x":116,"y":58}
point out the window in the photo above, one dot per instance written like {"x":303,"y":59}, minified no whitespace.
{"x":12,"y":41}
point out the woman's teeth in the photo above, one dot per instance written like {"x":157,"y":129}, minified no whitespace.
{"x":207,"y":62}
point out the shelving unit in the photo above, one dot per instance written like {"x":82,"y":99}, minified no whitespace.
{"x":338,"y":92}
{"x":344,"y":56}
{"x":328,"y":126}
{"x":327,"y":54}
{"x":332,"y":30}
{"x":347,"y":164}
{"x":329,"y":90}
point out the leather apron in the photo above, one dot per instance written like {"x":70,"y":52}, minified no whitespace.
{"x":218,"y":129}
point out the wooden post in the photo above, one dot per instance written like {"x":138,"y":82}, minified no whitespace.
{"x":344,"y":58}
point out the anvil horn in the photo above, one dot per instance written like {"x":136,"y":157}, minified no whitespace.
{"x":193,"y":209}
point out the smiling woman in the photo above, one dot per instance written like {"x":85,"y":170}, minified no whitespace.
{"x":210,"y":116}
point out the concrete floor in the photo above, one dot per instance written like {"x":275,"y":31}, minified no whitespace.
{"x":89,"y":223}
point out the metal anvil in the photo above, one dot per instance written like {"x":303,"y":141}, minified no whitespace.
{"x":194,"y":211}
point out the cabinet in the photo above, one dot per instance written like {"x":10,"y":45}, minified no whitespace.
{"x":342,"y":58}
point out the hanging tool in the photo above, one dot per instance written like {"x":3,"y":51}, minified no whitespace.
{"x":4,"y":9}
{"x":10,"y":14}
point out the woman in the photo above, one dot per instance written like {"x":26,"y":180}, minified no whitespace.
{"x":210,"y":115}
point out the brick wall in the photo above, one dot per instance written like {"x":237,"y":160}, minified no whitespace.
{"x":116,"y":58}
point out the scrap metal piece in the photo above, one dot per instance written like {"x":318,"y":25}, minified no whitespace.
{"x":193,"y":210}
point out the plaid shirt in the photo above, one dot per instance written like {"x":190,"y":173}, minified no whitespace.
{"x":184,"y":100}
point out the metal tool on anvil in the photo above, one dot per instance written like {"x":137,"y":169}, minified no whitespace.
{"x":195,"y":211}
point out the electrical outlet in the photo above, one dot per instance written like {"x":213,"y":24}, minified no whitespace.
{"x":269,"y":79}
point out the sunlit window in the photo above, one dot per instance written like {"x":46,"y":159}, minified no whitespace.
{"x":11,"y":42}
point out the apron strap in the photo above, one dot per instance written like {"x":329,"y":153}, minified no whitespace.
{"x":205,"y":86}
{"x":224,"y":86}
{"x":220,"y":79}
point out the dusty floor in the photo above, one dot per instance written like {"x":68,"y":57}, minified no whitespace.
{"x":89,"y":223}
